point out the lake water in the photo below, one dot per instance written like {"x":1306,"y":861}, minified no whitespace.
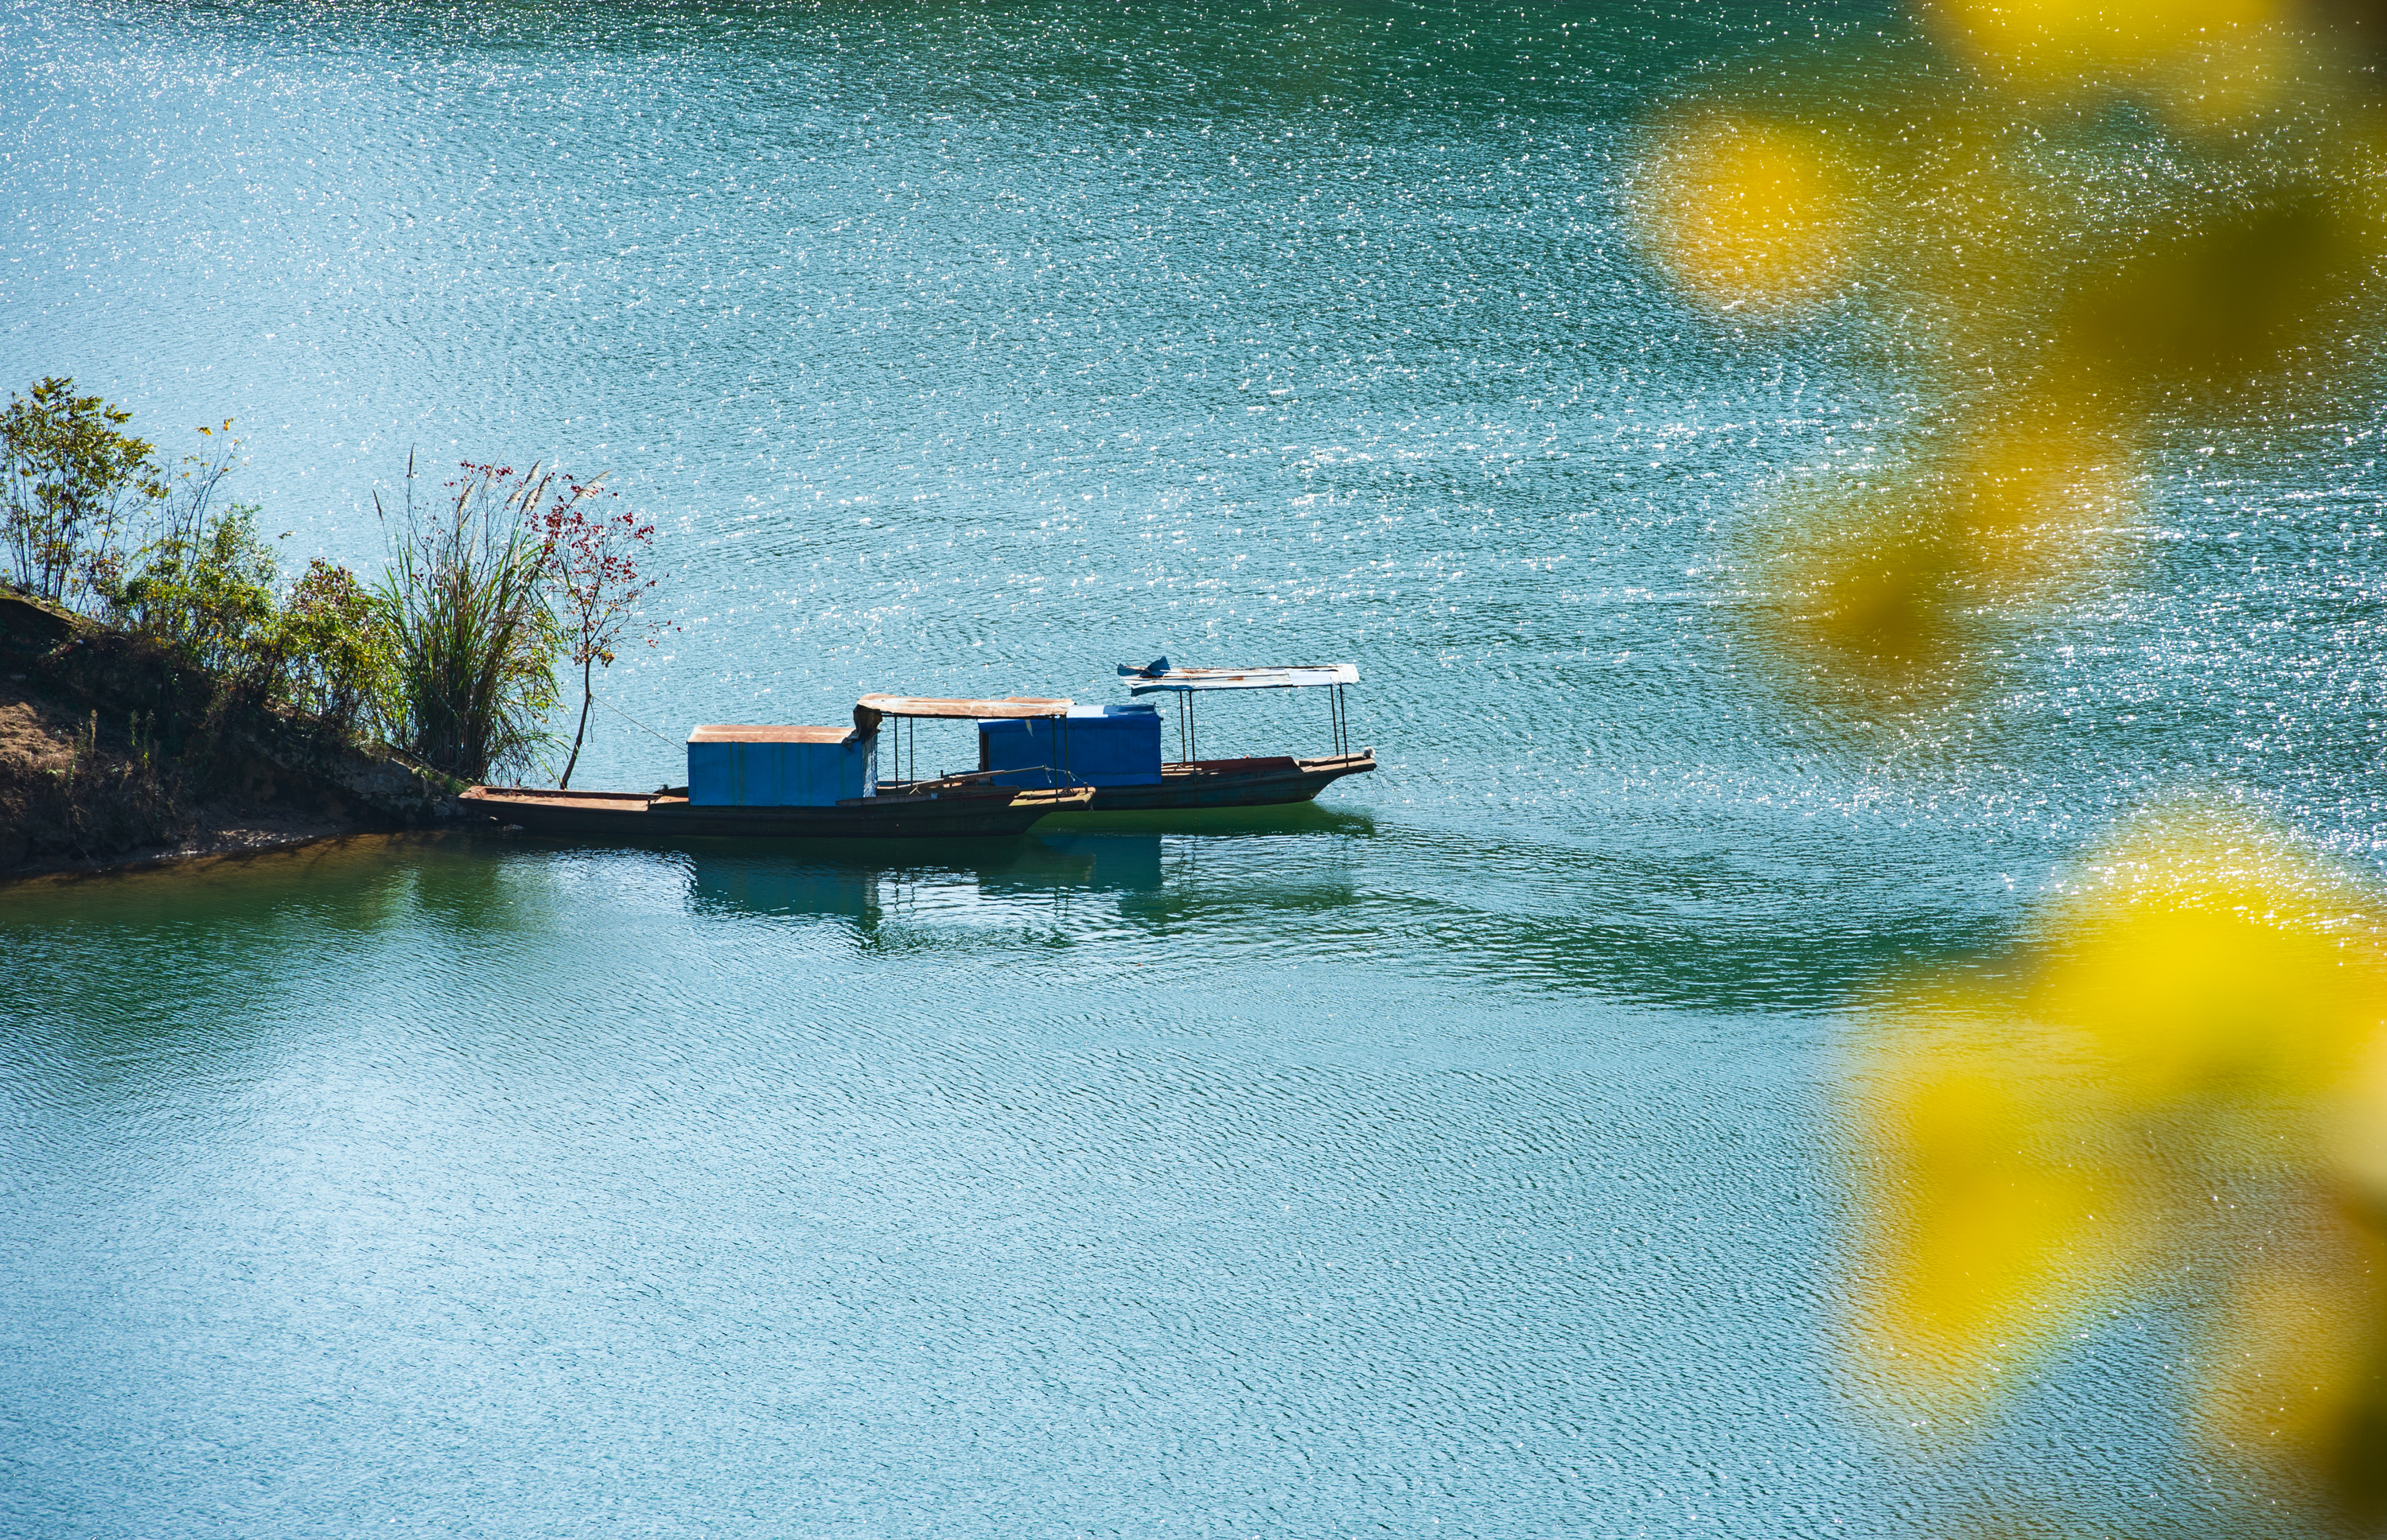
{"x":1453,"y":1156}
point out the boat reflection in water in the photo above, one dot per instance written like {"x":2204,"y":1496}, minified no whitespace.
{"x":759,"y":885}
{"x":865,"y":890}
{"x":1100,"y":862}
{"x":1131,"y":858}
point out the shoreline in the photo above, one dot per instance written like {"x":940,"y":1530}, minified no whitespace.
{"x":113,"y":756}
{"x":255,"y":835}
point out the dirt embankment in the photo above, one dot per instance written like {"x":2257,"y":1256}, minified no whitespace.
{"x":113,"y":753}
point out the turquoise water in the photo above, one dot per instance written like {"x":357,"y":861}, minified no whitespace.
{"x":1454,"y":1156}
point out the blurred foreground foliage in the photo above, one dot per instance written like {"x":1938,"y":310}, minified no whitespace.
{"x":2072,"y":234}
{"x":2068,"y":231}
{"x":2177,"y":1074}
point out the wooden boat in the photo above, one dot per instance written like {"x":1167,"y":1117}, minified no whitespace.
{"x":957,"y":812}
{"x":1192,"y":782}
{"x":1187,"y":782}
{"x":1258,"y":782}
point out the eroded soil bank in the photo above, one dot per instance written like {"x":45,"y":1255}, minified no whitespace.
{"x":113,"y":753}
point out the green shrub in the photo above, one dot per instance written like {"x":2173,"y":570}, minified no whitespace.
{"x":335,"y":644}
{"x":208,"y":596}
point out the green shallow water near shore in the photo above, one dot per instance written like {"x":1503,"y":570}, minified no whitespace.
{"x":1453,"y":1156}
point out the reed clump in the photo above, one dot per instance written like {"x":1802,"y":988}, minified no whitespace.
{"x":473,"y":642}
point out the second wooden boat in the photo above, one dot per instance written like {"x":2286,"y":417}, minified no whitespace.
{"x":1114,"y":752}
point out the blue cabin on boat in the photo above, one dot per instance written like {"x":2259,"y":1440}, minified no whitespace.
{"x":1090,"y":746}
{"x":780,"y":767}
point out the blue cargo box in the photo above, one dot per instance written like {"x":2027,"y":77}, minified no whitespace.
{"x":779,"y":766}
{"x":1092,"y":745}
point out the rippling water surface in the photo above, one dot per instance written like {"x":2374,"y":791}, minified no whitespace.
{"x":1449,"y":1157}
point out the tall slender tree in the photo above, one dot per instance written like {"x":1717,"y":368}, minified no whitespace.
{"x":594,"y":574}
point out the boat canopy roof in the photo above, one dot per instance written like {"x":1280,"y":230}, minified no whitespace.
{"x":725,"y":733}
{"x":1161,"y":674}
{"x":923,"y":705}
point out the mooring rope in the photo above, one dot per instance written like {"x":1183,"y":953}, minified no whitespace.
{"x":635,"y":722}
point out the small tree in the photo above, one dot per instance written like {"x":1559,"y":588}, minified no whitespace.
{"x":68,"y":475}
{"x":594,"y":578}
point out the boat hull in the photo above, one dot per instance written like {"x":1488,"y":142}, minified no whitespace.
{"x":1234,"y":783}
{"x":967,"y":814}
{"x":1223,"y":783}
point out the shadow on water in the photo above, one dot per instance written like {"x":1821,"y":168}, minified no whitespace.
{"x":122,"y":983}
{"x":1707,"y":936}
{"x":1710,"y":935}
{"x":1284,"y":818}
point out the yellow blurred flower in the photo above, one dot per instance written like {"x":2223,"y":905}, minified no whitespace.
{"x":2213,"y":960}
{"x":2037,"y":495}
{"x":2290,"y":1383}
{"x":2181,"y":1069}
{"x":1989,"y":1222}
{"x":2222,"y":296}
{"x":2050,"y":46}
{"x":1748,"y":213}
{"x":1886,"y":585}
{"x":2129,"y":217}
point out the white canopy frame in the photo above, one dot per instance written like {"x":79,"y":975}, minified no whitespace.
{"x":1162,"y":676}
{"x":905,"y":744}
